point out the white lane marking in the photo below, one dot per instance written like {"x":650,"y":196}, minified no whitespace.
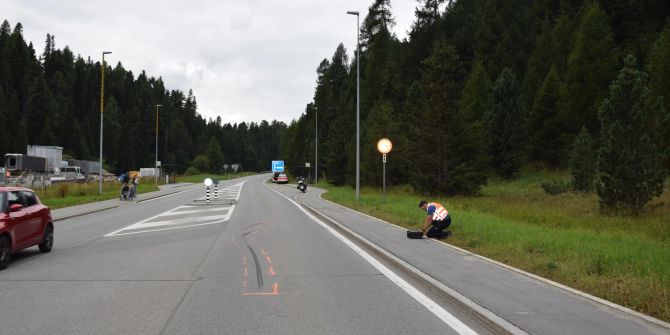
{"x":152,"y":224}
{"x":436,"y":309}
{"x":173,"y":213}
{"x":165,"y":196}
{"x":161,"y":229}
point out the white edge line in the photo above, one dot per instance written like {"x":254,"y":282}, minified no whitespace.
{"x":446,"y":317}
{"x":507,"y":325}
{"x":581,"y":294}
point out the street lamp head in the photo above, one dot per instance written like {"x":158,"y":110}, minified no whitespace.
{"x":384,"y":146}
{"x":106,"y":52}
{"x":159,"y":105}
{"x":352,"y":13}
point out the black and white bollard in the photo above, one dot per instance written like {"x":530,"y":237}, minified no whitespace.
{"x":207,"y":201}
{"x":216,"y":191}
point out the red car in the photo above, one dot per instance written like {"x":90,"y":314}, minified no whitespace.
{"x":24,"y":222}
{"x":282,"y":179}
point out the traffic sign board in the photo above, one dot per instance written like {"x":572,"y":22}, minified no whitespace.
{"x":277,"y":166}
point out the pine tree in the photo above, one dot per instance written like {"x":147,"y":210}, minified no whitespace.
{"x":505,"y":129}
{"x":469,"y":152}
{"x":215,"y":155}
{"x":442,"y":164}
{"x":379,"y":20}
{"x":3,"y":121}
{"x":477,"y":94}
{"x":634,"y":127}
{"x":592,"y":65}
{"x":658,"y":65}
{"x":427,"y":14}
{"x":544,"y":123}
{"x":583,"y":167}
{"x":538,"y":65}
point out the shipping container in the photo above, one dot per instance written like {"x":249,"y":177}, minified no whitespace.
{"x":25,"y":163}
{"x":87,"y":167}
{"x":53,"y":155}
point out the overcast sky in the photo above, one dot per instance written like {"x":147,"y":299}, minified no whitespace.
{"x":246,"y":60}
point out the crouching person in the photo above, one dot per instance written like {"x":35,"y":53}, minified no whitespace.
{"x":437,"y":220}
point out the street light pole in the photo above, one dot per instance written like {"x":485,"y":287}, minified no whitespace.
{"x":384,"y":146}
{"x":156,"y":161}
{"x":358,"y":105}
{"x":102,"y":108}
{"x":316,"y":147}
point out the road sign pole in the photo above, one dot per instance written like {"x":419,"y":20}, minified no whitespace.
{"x":207,"y":194}
{"x":384,"y":178}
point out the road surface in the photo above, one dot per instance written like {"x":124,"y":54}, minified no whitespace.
{"x":251,"y":262}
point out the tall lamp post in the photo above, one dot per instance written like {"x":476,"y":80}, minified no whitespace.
{"x":384,"y":146}
{"x":316,"y":147}
{"x":156,"y":161}
{"x":102,"y":108}
{"x":358,"y":105}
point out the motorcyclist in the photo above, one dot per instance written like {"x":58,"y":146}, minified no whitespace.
{"x":301,"y":182}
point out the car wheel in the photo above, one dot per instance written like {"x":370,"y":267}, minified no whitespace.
{"x":48,"y":241}
{"x":5,"y":252}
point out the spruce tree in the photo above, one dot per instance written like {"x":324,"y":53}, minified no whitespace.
{"x":544,"y":123}
{"x":592,"y":65}
{"x":634,"y":127}
{"x":505,"y":126}
{"x":3,"y":121}
{"x":447,"y":155}
{"x":538,"y":65}
{"x":477,"y":94}
{"x":658,"y":65}
{"x":214,"y":154}
{"x":583,"y":167}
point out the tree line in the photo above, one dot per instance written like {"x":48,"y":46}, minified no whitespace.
{"x":54,"y":99}
{"x":481,"y":88}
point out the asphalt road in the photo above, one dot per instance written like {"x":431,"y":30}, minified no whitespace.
{"x":175,"y":265}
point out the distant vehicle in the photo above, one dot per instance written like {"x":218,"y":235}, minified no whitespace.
{"x":69,"y":174}
{"x":302,"y":186}
{"x":24,"y":222}
{"x":282,"y":179}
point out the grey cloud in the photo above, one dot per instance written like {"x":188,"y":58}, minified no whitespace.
{"x":245,"y":60}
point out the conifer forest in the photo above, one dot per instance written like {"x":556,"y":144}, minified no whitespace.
{"x":478,"y":89}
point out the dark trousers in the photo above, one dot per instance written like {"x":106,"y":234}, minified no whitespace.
{"x":438,"y":227}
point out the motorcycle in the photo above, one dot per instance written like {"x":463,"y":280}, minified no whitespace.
{"x":302,"y":186}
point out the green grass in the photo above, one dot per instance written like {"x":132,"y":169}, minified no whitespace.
{"x":565,"y":238}
{"x":72,"y":194}
{"x":201,"y":177}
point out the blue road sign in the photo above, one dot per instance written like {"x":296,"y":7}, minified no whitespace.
{"x":277,"y":166}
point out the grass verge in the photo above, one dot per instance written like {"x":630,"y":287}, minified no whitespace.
{"x":72,"y":194}
{"x":564,"y":238}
